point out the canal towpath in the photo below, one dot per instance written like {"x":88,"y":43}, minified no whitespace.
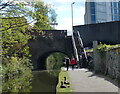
{"x":83,"y":80}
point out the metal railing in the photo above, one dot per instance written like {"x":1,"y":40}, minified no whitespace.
{"x":78,"y":46}
{"x":75,"y":48}
{"x":81,"y":43}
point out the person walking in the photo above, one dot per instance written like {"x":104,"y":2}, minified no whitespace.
{"x":67,"y":60}
{"x":73,"y":62}
{"x":90,"y":62}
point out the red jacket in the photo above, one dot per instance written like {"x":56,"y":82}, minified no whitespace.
{"x":72,"y":61}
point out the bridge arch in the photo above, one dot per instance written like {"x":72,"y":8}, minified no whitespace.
{"x":42,"y":47}
{"x":41,"y":61}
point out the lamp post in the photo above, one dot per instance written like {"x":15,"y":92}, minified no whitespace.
{"x":72,"y":14}
{"x":74,"y":45}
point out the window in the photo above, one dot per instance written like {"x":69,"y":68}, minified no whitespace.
{"x":101,"y":8}
{"x":115,"y":4}
{"x":116,"y":18}
{"x":92,"y":10}
{"x":101,"y":15}
{"x":92,"y":4}
{"x":101,"y":3}
{"x":115,"y":11}
{"x":93,"y":18}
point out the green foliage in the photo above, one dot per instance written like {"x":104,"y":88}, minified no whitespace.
{"x":54,"y":61}
{"x":104,"y":47}
{"x":89,"y":50}
{"x":15,"y":52}
{"x":41,"y":16}
{"x":17,"y":84}
{"x":38,"y":12}
{"x":63,"y":74}
{"x":14,"y":40}
{"x":52,"y":16}
{"x":16,"y":67}
{"x":0,"y":67}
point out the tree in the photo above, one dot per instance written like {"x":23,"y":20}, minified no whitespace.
{"x":38,"y":12}
{"x":15,"y":56}
{"x":15,"y":35}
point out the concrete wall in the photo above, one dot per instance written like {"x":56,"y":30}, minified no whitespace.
{"x":109,"y":62}
{"x":113,"y":62}
{"x":108,"y":33}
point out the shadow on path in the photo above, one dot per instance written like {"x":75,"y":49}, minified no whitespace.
{"x":105,"y":77}
{"x":86,"y":82}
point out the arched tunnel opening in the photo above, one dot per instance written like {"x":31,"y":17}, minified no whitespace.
{"x":51,"y":60}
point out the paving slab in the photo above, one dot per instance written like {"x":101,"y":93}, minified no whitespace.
{"x":85,"y":81}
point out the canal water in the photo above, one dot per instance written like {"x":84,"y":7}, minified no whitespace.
{"x":44,"y":81}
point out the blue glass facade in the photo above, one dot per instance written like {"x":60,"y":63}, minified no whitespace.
{"x":92,"y":10}
{"x":93,"y":18}
{"x":92,"y":4}
{"x":115,"y":4}
{"x":98,"y":12}
{"x":115,"y":11}
{"x":119,"y":9}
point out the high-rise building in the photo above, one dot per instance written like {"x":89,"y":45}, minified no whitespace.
{"x":98,"y":12}
{"x":119,"y":9}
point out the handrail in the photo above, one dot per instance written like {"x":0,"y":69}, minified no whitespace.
{"x":75,"y":48}
{"x":81,"y":43}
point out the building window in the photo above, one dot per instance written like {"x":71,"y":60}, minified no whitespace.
{"x":92,"y":10}
{"x":93,"y":19}
{"x":115,"y":4}
{"x":92,"y":4}
{"x":115,"y":11}
{"x":116,"y":18}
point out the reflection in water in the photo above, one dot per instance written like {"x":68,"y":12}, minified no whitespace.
{"x":41,"y":81}
{"x":45,"y":81}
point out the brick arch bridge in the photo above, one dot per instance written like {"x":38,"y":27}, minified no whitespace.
{"x":53,"y":41}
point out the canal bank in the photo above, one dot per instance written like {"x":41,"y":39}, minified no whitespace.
{"x":63,"y":73}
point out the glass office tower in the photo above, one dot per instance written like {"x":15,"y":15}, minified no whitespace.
{"x":119,"y":9}
{"x":98,"y":12}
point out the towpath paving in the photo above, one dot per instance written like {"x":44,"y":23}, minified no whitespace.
{"x":85,"y":81}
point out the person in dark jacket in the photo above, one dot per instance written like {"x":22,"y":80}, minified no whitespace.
{"x":67,"y":60}
{"x":90,"y":62}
